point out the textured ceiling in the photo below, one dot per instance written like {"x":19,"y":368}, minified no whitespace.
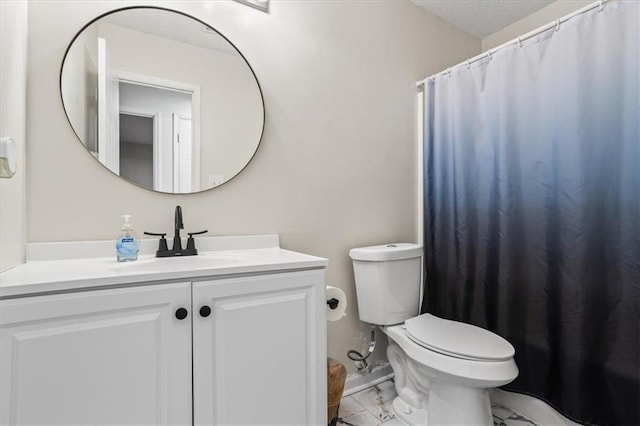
{"x":482,"y":17}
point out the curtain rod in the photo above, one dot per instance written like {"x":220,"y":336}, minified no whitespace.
{"x":556,"y":24}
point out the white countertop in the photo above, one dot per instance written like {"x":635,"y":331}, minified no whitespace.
{"x":61,"y":266}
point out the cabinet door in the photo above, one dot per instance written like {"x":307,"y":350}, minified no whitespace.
{"x":260,"y":356}
{"x":116,"y":356}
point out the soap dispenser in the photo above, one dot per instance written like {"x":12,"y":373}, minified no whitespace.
{"x":127,"y":245}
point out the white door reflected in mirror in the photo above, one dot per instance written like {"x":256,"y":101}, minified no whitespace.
{"x":182,"y":155}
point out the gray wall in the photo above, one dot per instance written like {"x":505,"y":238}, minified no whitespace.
{"x":336,"y":167}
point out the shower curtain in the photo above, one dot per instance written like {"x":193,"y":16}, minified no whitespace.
{"x":532,"y":208}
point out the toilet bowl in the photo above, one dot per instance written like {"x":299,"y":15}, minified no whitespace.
{"x":443,"y":369}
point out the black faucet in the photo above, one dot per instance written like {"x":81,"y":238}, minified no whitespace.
{"x":176,"y":250}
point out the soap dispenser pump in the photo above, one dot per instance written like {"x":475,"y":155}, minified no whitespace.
{"x":127,"y":245}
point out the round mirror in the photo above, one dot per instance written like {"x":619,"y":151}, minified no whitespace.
{"x":162,"y":99}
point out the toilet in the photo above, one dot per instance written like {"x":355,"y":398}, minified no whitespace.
{"x":443,"y":369}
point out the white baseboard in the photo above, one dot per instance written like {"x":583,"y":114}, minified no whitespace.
{"x":532,"y":408}
{"x":363,"y":379}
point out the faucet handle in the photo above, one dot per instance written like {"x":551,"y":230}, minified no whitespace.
{"x":162,"y":243}
{"x":191,"y":243}
{"x":154,"y":234}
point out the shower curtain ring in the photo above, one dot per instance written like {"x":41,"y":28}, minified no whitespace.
{"x":557,"y":25}
{"x":489,"y":55}
{"x":601,"y":6}
{"x":468,"y":64}
{"x":448,"y":72}
{"x":520,"y":41}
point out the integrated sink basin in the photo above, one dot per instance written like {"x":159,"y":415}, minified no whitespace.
{"x":168,"y":264}
{"x":82,"y":265}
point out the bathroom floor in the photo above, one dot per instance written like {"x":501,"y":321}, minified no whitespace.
{"x":372,"y":407}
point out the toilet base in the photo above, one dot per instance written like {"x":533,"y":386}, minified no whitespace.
{"x":457,"y":405}
{"x":409,"y":415}
{"x":473,"y":410}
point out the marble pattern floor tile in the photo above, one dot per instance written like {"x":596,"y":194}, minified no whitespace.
{"x":394,"y":422}
{"x":372,"y":407}
{"x":378,"y":399}
{"x":363,"y":418}
{"x":503,"y":416}
{"x":349,"y":407}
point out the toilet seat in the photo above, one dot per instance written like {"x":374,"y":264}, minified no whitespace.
{"x":457,"y":339}
{"x":457,"y":370}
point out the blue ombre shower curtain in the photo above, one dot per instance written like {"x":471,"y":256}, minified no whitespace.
{"x":532,"y":208}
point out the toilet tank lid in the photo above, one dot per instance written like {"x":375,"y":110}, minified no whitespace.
{"x":395,"y":251}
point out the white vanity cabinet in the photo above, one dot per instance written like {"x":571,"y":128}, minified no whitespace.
{"x":255,"y":355}
{"x":259,"y":357}
{"x":117,"y":356}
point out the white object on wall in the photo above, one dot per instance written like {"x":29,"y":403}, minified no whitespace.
{"x":8,"y":160}
{"x":262,"y":5}
{"x":215,"y":180}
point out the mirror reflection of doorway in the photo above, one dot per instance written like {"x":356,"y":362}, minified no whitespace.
{"x":136,"y":148}
{"x":159,"y":105}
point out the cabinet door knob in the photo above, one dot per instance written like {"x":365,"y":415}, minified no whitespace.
{"x":205,"y":311}
{"x":181,"y":313}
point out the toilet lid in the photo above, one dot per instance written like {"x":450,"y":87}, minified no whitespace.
{"x":458,"y":339}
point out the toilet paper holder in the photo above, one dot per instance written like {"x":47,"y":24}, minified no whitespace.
{"x":336,"y":303}
{"x":333,"y":303}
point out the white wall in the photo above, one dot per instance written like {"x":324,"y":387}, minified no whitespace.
{"x":541,"y":17}
{"x":336,"y":167}
{"x":13,"y":94}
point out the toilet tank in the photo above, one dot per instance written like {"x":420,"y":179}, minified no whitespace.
{"x":388,"y":282}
